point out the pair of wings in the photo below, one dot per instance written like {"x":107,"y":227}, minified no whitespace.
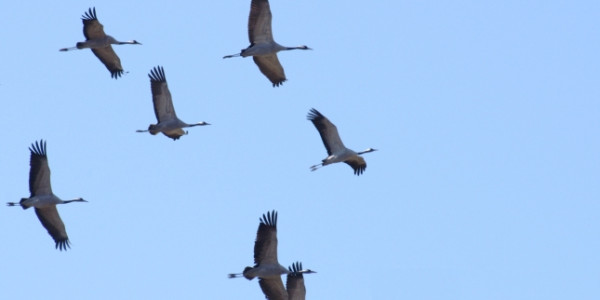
{"x":265,"y":251}
{"x":259,"y":31}
{"x":294,"y":286}
{"x":92,"y":30}
{"x":332,"y":141}
{"x":39,"y":184}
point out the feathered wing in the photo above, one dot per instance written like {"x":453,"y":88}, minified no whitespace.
{"x":273,"y":288}
{"x":110,"y":60}
{"x":357,"y":163}
{"x":92,"y":29}
{"x":265,"y":246}
{"x":39,"y":172}
{"x":328,"y":132}
{"x":51,"y":221}
{"x":259,"y":22}
{"x":269,"y":65}
{"x":161,"y":96}
{"x":295,"y":287}
{"x":295,"y":282}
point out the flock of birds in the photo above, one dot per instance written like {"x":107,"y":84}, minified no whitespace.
{"x":263,"y":50}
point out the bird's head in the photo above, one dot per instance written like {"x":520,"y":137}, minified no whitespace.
{"x":307,"y":271}
{"x":134,"y":42}
{"x":304,"y":47}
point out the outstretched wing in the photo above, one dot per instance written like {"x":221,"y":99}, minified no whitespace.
{"x":51,"y":221}
{"x":259,"y":22}
{"x":92,"y":29}
{"x":269,"y":65}
{"x":39,"y":172}
{"x":295,"y":283}
{"x":110,"y":60}
{"x":357,"y":163}
{"x":265,"y":246}
{"x":161,"y":96}
{"x":328,"y":131}
{"x":273,"y":288}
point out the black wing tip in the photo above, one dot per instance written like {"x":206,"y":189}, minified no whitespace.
{"x":279,"y":83}
{"x":314,"y":114}
{"x":116,"y":74}
{"x":270,"y":219}
{"x":63,"y":245}
{"x":157,"y":74}
{"x":38,"y":148}
{"x":90,"y":14}
{"x":359,"y":170}
{"x":295,"y":267}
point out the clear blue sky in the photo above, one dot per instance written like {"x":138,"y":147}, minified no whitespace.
{"x":486,"y":185}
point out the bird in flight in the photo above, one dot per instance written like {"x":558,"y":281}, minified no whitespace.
{"x":42,"y":198}
{"x":263,"y":48}
{"x":100,"y":43}
{"x":266,"y":266}
{"x":168,"y":123}
{"x":335,"y":147}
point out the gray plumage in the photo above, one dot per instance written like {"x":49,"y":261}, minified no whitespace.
{"x":100,"y":43}
{"x":335,"y":147}
{"x":295,"y":281}
{"x":168,"y":123}
{"x":266,"y":266}
{"x":263,"y":48}
{"x":42,"y":198}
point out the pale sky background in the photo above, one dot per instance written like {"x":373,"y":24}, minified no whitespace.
{"x":486,"y":185}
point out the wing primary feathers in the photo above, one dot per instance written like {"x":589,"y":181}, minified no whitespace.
{"x":39,"y":172}
{"x":90,"y":15}
{"x":158,"y":74}
{"x":295,"y":267}
{"x":270,"y":219}
{"x":39,"y":148}
{"x":314,"y":114}
{"x":327,"y":130}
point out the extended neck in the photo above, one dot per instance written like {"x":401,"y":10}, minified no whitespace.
{"x":199,"y":124}
{"x":367,"y":151}
{"x":74,"y":200}
{"x":134,"y":42}
{"x":297,"y":48}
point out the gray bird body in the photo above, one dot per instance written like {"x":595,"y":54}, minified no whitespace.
{"x":263,"y":48}
{"x":336,"y":150}
{"x":100,"y":43}
{"x":42,"y":198}
{"x":168,"y":122}
{"x":266,"y":266}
